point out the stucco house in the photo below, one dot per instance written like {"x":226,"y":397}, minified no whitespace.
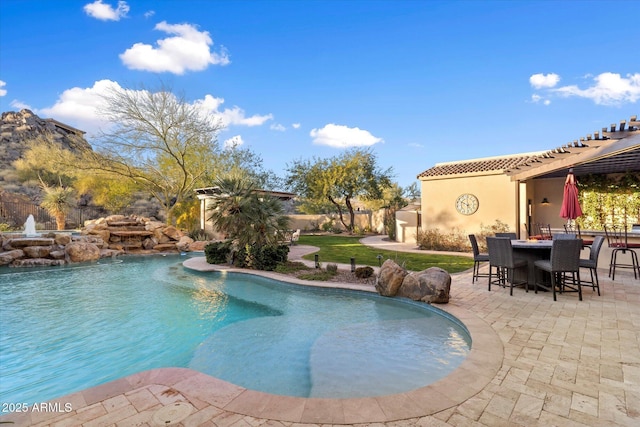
{"x":520,"y":189}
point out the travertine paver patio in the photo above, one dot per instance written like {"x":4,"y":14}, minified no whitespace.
{"x":564,"y":363}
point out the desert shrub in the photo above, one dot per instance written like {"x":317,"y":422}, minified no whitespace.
{"x":217,"y":252}
{"x":433,"y":239}
{"x":322,"y":275}
{"x":327,"y":226}
{"x":265,"y":257}
{"x":199,"y":235}
{"x":291,"y":267}
{"x":489,"y":231}
{"x":332,"y":268}
{"x":364,"y":272}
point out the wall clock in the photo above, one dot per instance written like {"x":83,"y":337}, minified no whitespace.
{"x":467,"y":204}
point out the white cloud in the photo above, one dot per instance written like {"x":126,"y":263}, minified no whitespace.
{"x":539,"y":81}
{"x":233,"y":142}
{"x":149,"y":13}
{"x":296,"y":125}
{"x":189,"y":50}
{"x":342,"y":136}
{"x":3,"y":91}
{"x":608,"y":89}
{"x":537,"y":99}
{"x":230,"y":116}
{"x":80,"y":107}
{"x":105,"y":12}
{"x":415,"y":145}
{"x":19,"y":105}
{"x":277,"y":127}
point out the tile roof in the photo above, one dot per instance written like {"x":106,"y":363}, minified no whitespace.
{"x":498,"y":164}
{"x":579,"y":151}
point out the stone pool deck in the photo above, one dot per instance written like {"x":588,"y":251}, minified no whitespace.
{"x":534,"y":362}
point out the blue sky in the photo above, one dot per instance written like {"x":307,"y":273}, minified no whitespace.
{"x":419,"y":82}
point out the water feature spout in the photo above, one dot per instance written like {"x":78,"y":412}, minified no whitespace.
{"x":30,"y":227}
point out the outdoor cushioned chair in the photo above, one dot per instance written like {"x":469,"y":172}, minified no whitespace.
{"x":564,"y":262}
{"x":574,"y":228}
{"x":592,"y":263}
{"x":477,"y":258}
{"x":565,"y":236}
{"x":511,"y":236}
{"x":501,"y":258}
{"x":618,"y":242}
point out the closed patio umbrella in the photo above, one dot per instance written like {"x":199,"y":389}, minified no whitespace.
{"x":570,"y":204}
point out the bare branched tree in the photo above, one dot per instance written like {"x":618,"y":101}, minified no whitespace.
{"x":158,"y":140}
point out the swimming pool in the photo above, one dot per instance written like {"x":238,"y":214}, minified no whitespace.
{"x":70,"y":328}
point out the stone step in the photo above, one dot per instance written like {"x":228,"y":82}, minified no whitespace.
{"x":124,"y":223}
{"x":165,"y":247}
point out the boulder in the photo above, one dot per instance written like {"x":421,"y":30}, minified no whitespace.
{"x":110,"y":253}
{"x":149,"y":243}
{"x":431,"y":285}
{"x":37,"y":251}
{"x":183,"y":243}
{"x":9,"y":256}
{"x":58,"y":254}
{"x":172,"y":232}
{"x":390,"y":278}
{"x":62,"y":239}
{"x":82,"y":251}
{"x":198,"y":246}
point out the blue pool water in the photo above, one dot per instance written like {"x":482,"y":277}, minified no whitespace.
{"x":70,"y":328}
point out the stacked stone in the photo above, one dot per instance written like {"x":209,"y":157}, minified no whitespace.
{"x":101,"y":238}
{"x":140,"y":235}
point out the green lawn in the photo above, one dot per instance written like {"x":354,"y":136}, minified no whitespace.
{"x":340,"y":249}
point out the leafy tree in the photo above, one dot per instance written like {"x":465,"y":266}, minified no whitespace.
{"x":235,"y":160}
{"x":45,"y":163}
{"x":159,"y":141}
{"x":339,"y":180}
{"x":245,"y":215}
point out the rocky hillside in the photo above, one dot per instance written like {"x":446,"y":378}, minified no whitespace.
{"x":17,"y":129}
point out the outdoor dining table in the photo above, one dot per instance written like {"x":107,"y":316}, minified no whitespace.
{"x":532,"y":251}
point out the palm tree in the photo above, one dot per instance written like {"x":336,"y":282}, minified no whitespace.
{"x":245,"y":215}
{"x":58,"y":201}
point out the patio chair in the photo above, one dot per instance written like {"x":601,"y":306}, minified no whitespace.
{"x":618,"y":242}
{"x":574,"y":228}
{"x":502,"y":260}
{"x":478,"y":258}
{"x":510,"y":236}
{"x":565,"y":236}
{"x":545,"y":231}
{"x":592,"y":263}
{"x":564,"y":262}
{"x":536,"y":232}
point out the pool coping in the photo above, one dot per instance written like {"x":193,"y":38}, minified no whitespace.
{"x":479,"y":368}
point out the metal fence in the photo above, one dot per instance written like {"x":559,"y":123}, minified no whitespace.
{"x":15,"y":214}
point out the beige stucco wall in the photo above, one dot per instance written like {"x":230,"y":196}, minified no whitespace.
{"x":497,"y":196}
{"x":553,"y":190}
{"x":406,"y":226}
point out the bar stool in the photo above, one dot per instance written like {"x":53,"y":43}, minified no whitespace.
{"x":478,"y":258}
{"x":617,"y":240}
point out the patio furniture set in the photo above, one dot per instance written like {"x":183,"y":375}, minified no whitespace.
{"x":552,"y":264}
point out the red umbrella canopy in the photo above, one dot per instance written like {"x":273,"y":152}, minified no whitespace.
{"x":570,"y":205}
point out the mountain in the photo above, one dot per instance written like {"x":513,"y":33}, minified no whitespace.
{"x":16,"y":130}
